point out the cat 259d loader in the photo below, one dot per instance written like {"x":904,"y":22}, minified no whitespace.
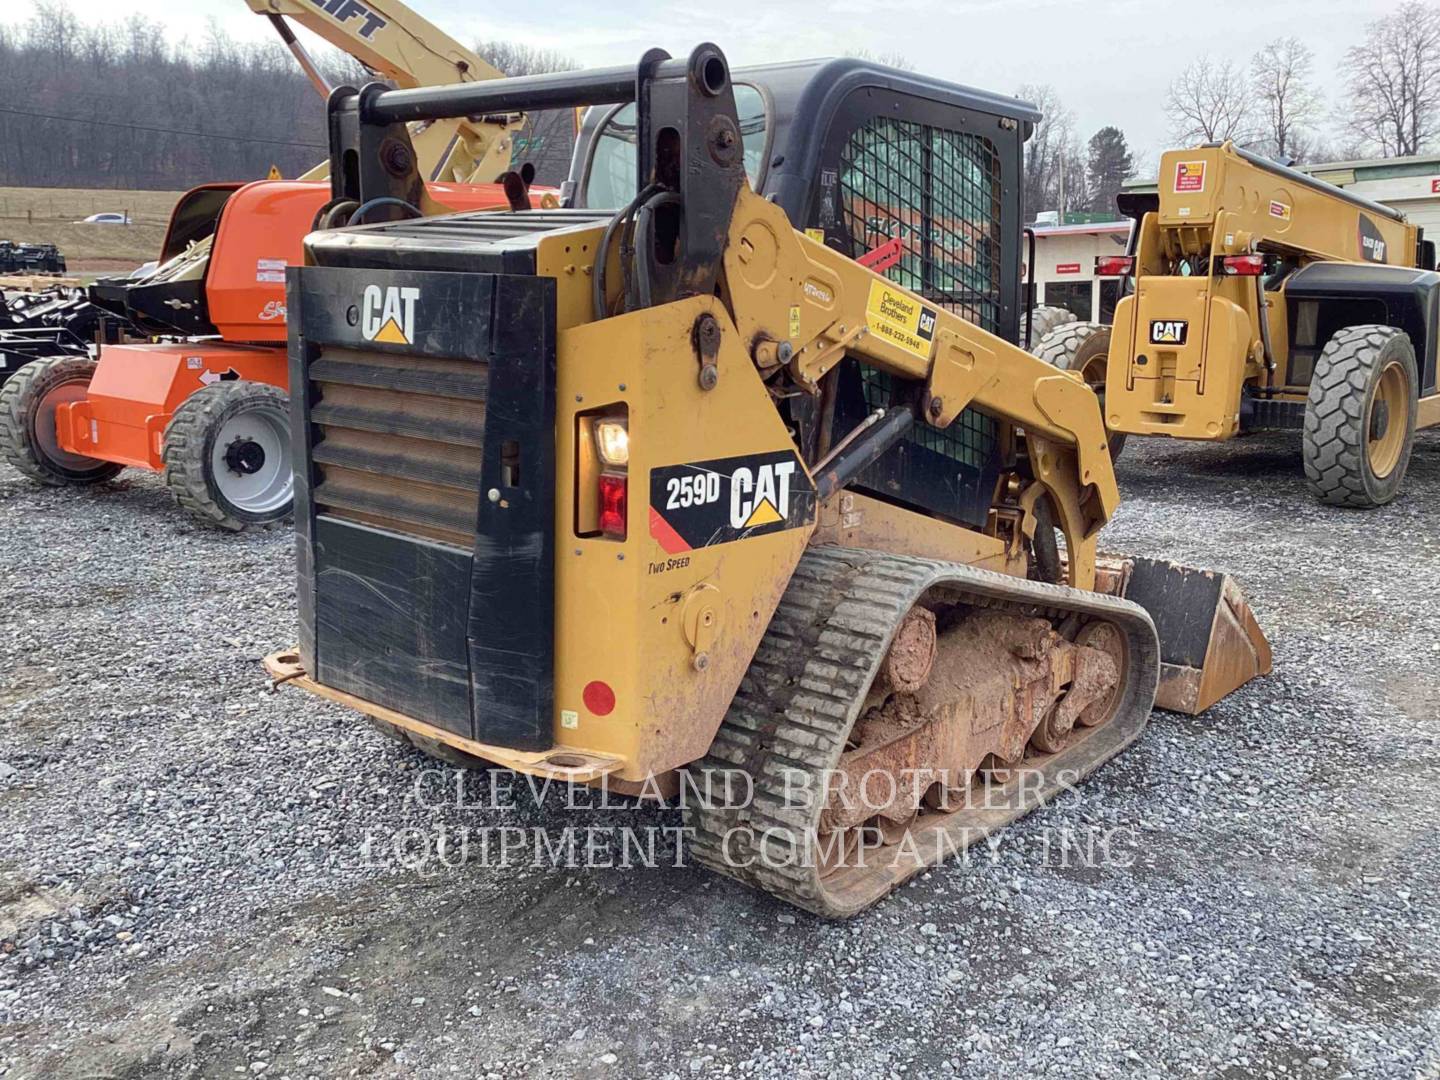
{"x":1266,"y":299}
{"x":715,"y":482}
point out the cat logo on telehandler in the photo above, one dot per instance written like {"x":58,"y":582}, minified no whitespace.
{"x":1168,"y":331}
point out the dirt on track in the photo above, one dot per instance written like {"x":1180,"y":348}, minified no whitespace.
{"x":200,"y":878}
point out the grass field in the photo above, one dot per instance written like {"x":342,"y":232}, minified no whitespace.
{"x":48,"y":216}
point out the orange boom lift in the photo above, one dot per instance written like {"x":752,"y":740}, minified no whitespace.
{"x":209,"y":407}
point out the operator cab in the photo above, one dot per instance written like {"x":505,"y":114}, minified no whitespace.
{"x":875,"y":163}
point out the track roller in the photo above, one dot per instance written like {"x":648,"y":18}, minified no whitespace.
{"x":828,"y":786}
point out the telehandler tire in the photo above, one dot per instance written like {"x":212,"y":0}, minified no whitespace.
{"x":27,"y":422}
{"x":1083,"y":347}
{"x":1360,"y":417}
{"x":227,"y":455}
{"x":1042,"y":320}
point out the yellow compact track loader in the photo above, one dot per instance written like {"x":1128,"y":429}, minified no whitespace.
{"x":1266,"y":299}
{"x":852,"y":593}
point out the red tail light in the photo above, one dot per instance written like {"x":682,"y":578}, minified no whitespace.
{"x":612,"y":504}
{"x":1114,"y":265}
{"x":1242,"y":265}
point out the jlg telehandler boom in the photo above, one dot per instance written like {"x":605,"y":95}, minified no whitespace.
{"x":1267,"y":299}
{"x":603,"y":495}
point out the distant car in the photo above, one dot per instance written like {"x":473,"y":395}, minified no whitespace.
{"x":105,"y":219}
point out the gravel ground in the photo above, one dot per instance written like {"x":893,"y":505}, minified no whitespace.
{"x":199,"y":878}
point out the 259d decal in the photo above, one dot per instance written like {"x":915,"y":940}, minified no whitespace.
{"x":704,"y":503}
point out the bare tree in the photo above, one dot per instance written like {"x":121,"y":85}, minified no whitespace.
{"x":1052,"y":152}
{"x":1288,"y":103}
{"x":517,"y":58}
{"x":1393,"y":79}
{"x":223,"y":111}
{"x":889,"y":59}
{"x":1346,"y":149}
{"x":54,"y":27}
{"x":1210,"y":102}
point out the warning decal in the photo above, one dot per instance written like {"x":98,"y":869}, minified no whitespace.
{"x":1279,"y":210}
{"x":705,"y":503}
{"x":1189,"y":176}
{"x":900,"y":319}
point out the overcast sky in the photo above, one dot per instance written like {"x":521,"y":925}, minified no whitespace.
{"x":1110,"y":60}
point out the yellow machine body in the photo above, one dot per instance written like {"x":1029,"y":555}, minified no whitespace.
{"x":670,"y":628}
{"x":1189,"y":340}
{"x":578,"y":496}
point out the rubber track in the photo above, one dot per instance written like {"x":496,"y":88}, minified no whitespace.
{"x":184,"y":451}
{"x":1335,"y":439}
{"x":805,"y":689}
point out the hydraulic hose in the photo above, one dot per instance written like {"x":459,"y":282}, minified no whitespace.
{"x":644,"y":227}
{"x":602,"y":254}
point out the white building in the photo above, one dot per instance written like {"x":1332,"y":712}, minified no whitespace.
{"x":1065,"y":267}
{"x":1409,"y":184}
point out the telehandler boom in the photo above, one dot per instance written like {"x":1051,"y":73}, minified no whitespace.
{"x":1267,"y":299}
{"x":399,"y":46}
{"x":601,"y":494}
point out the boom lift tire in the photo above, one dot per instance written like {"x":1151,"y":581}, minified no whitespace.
{"x":1360,"y":417}
{"x":813,"y":710}
{"x":1043,"y":319}
{"x":227,"y":455}
{"x":27,"y":422}
{"x":1083,"y":347}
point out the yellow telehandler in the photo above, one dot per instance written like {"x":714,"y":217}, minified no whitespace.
{"x":1266,"y":299}
{"x":783,"y":304}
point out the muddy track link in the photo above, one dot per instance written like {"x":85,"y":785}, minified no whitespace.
{"x":807,"y":686}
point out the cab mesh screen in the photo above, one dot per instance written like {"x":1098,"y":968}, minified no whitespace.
{"x":938,"y":193}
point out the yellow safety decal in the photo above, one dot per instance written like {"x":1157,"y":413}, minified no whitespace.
{"x":900,"y":319}
{"x":795,"y":321}
{"x":1279,"y":210}
{"x":818,"y":235}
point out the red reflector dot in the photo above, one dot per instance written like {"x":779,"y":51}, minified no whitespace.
{"x":599,"y":698}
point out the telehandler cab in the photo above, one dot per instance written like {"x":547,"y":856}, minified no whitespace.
{"x":600,"y":495}
{"x":1266,"y":299}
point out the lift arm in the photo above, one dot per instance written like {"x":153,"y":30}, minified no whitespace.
{"x":805,"y":306}
{"x":405,"y":49}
